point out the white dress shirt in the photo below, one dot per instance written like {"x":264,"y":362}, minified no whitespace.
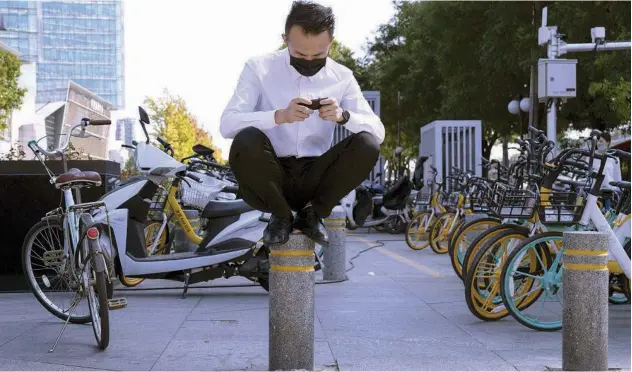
{"x":611,"y":172}
{"x":268,"y":83}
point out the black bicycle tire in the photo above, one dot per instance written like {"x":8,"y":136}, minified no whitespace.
{"x":470,"y":254}
{"x":409,"y":224}
{"x":432,"y":233}
{"x":100,"y":280}
{"x":504,"y":275}
{"x":26,"y":268}
{"x":469,"y":278}
{"x":452,"y":248}
{"x":455,"y":231}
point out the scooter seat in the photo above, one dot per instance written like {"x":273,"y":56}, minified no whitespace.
{"x":225,"y":208}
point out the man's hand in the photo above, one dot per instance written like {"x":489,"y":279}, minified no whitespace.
{"x":330,"y":110}
{"x":293,"y":112}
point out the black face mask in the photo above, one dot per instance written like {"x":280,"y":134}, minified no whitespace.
{"x":307,"y":67}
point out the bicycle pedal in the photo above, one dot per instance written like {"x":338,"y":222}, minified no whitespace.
{"x":53,"y":258}
{"x":117,"y":303}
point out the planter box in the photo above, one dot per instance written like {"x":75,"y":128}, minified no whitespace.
{"x":26,"y":195}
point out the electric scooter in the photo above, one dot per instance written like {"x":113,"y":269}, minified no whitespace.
{"x":231,"y":244}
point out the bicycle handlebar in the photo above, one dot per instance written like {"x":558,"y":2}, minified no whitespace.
{"x":100,"y":121}
{"x":58,"y":151}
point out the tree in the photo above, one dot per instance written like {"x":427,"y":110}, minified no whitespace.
{"x":129,"y":169}
{"x":467,"y":60}
{"x":10,"y":94}
{"x":175,"y":124}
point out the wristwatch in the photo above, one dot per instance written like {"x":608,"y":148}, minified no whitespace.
{"x":345,"y":117}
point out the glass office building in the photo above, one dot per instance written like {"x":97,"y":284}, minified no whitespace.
{"x":75,"y":40}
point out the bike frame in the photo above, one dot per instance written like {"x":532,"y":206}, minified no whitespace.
{"x":593,"y":214}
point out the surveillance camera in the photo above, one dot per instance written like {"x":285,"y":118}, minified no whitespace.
{"x":598,"y":35}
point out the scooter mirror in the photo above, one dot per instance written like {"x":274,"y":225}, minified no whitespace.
{"x":143,"y":115}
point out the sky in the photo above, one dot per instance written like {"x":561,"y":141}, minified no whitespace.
{"x":197,"y":48}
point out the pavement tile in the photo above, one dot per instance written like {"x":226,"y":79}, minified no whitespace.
{"x":238,"y":325}
{"x":362,"y":354}
{"x":22,"y":365}
{"x":229,"y":355}
{"x":410,"y":325}
{"x":136,"y":341}
{"x":527,"y":360}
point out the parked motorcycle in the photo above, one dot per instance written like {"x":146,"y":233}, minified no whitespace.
{"x":389,"y":212}
{"x":231,"y":241}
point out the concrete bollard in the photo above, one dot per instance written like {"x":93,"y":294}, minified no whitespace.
{"x":291,"y":305}
{"x":335,"y":259}
{"x":585,"y":302}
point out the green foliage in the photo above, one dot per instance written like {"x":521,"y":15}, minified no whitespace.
{"x":10,"y":94}
{"x":467,"y":60}
{"x":175,"y":124}
{"x":129,"y":169}
{"x":16,"y":152}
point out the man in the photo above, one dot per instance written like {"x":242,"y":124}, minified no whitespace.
{"x":611,"y":171}
{"x":280,"y":154}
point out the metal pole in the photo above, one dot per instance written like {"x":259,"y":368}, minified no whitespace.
{"x":291,"y":305}
{"x":585,"y":280}
{"x":399,"y":158}
{"x":335,"y":259}
{"x":551,"y":121}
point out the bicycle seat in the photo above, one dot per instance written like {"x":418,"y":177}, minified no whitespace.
{"x":621,"y":184}
{"x":222,"y":208}
{"x":76,"y":178}
{"x":202,"y":150}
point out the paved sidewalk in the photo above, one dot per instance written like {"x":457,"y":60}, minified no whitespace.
{"x":400,"y":310}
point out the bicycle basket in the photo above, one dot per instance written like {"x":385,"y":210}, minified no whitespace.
{"x":511,"y":203}
{"x":197,"y":195}
{"x":560,"y":207}
{"x":157,"y":205}
{"x":450,"y":200}
{"x":479,"y":201}
{"x":422,"y":201}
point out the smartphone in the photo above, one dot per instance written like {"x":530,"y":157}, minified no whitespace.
{"x":315,"y":105}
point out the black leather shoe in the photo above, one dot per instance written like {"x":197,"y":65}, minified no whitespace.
{"x":311,"y":225}
{"x":278,"y":231}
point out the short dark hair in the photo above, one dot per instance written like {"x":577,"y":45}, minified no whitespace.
{"x":312,"y":17}
{"x":606,"y":136}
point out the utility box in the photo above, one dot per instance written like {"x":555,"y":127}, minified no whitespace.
{"x":451,"y":143}
{"x":557,"y":78}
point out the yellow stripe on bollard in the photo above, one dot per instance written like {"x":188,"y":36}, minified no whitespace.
{"x":298,"y":253}
{"x":589,"y":267}
{"x":579,"y":252}
{"x":291,"y":269}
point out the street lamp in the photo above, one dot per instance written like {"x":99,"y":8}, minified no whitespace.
{"x":516,"y":107}
{"x":519,"y":107}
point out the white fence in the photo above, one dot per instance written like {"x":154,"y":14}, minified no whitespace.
{"x":451,"y":143}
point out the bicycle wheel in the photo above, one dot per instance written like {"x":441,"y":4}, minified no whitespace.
{"x":417,"y":231}
{"x":438,"y":236}
{"x":482,"y":283}
{"x":95,"y":285}
{"x":535,"y":264}
{"x":151,"y":231}
{"x":49,"y":274}
{"x":464,"y":238}
{"x":480,"y":241}
{"x":457,"y":228}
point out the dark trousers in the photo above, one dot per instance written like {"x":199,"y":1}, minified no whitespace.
{"x":282,"y":185}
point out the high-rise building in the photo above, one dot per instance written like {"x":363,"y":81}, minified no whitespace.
{"x":125,"y":130}
{"x":76,"y":40}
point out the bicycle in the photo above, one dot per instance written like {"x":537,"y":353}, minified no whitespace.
{"x":77,"y":261}
{"x":589,"y":217}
